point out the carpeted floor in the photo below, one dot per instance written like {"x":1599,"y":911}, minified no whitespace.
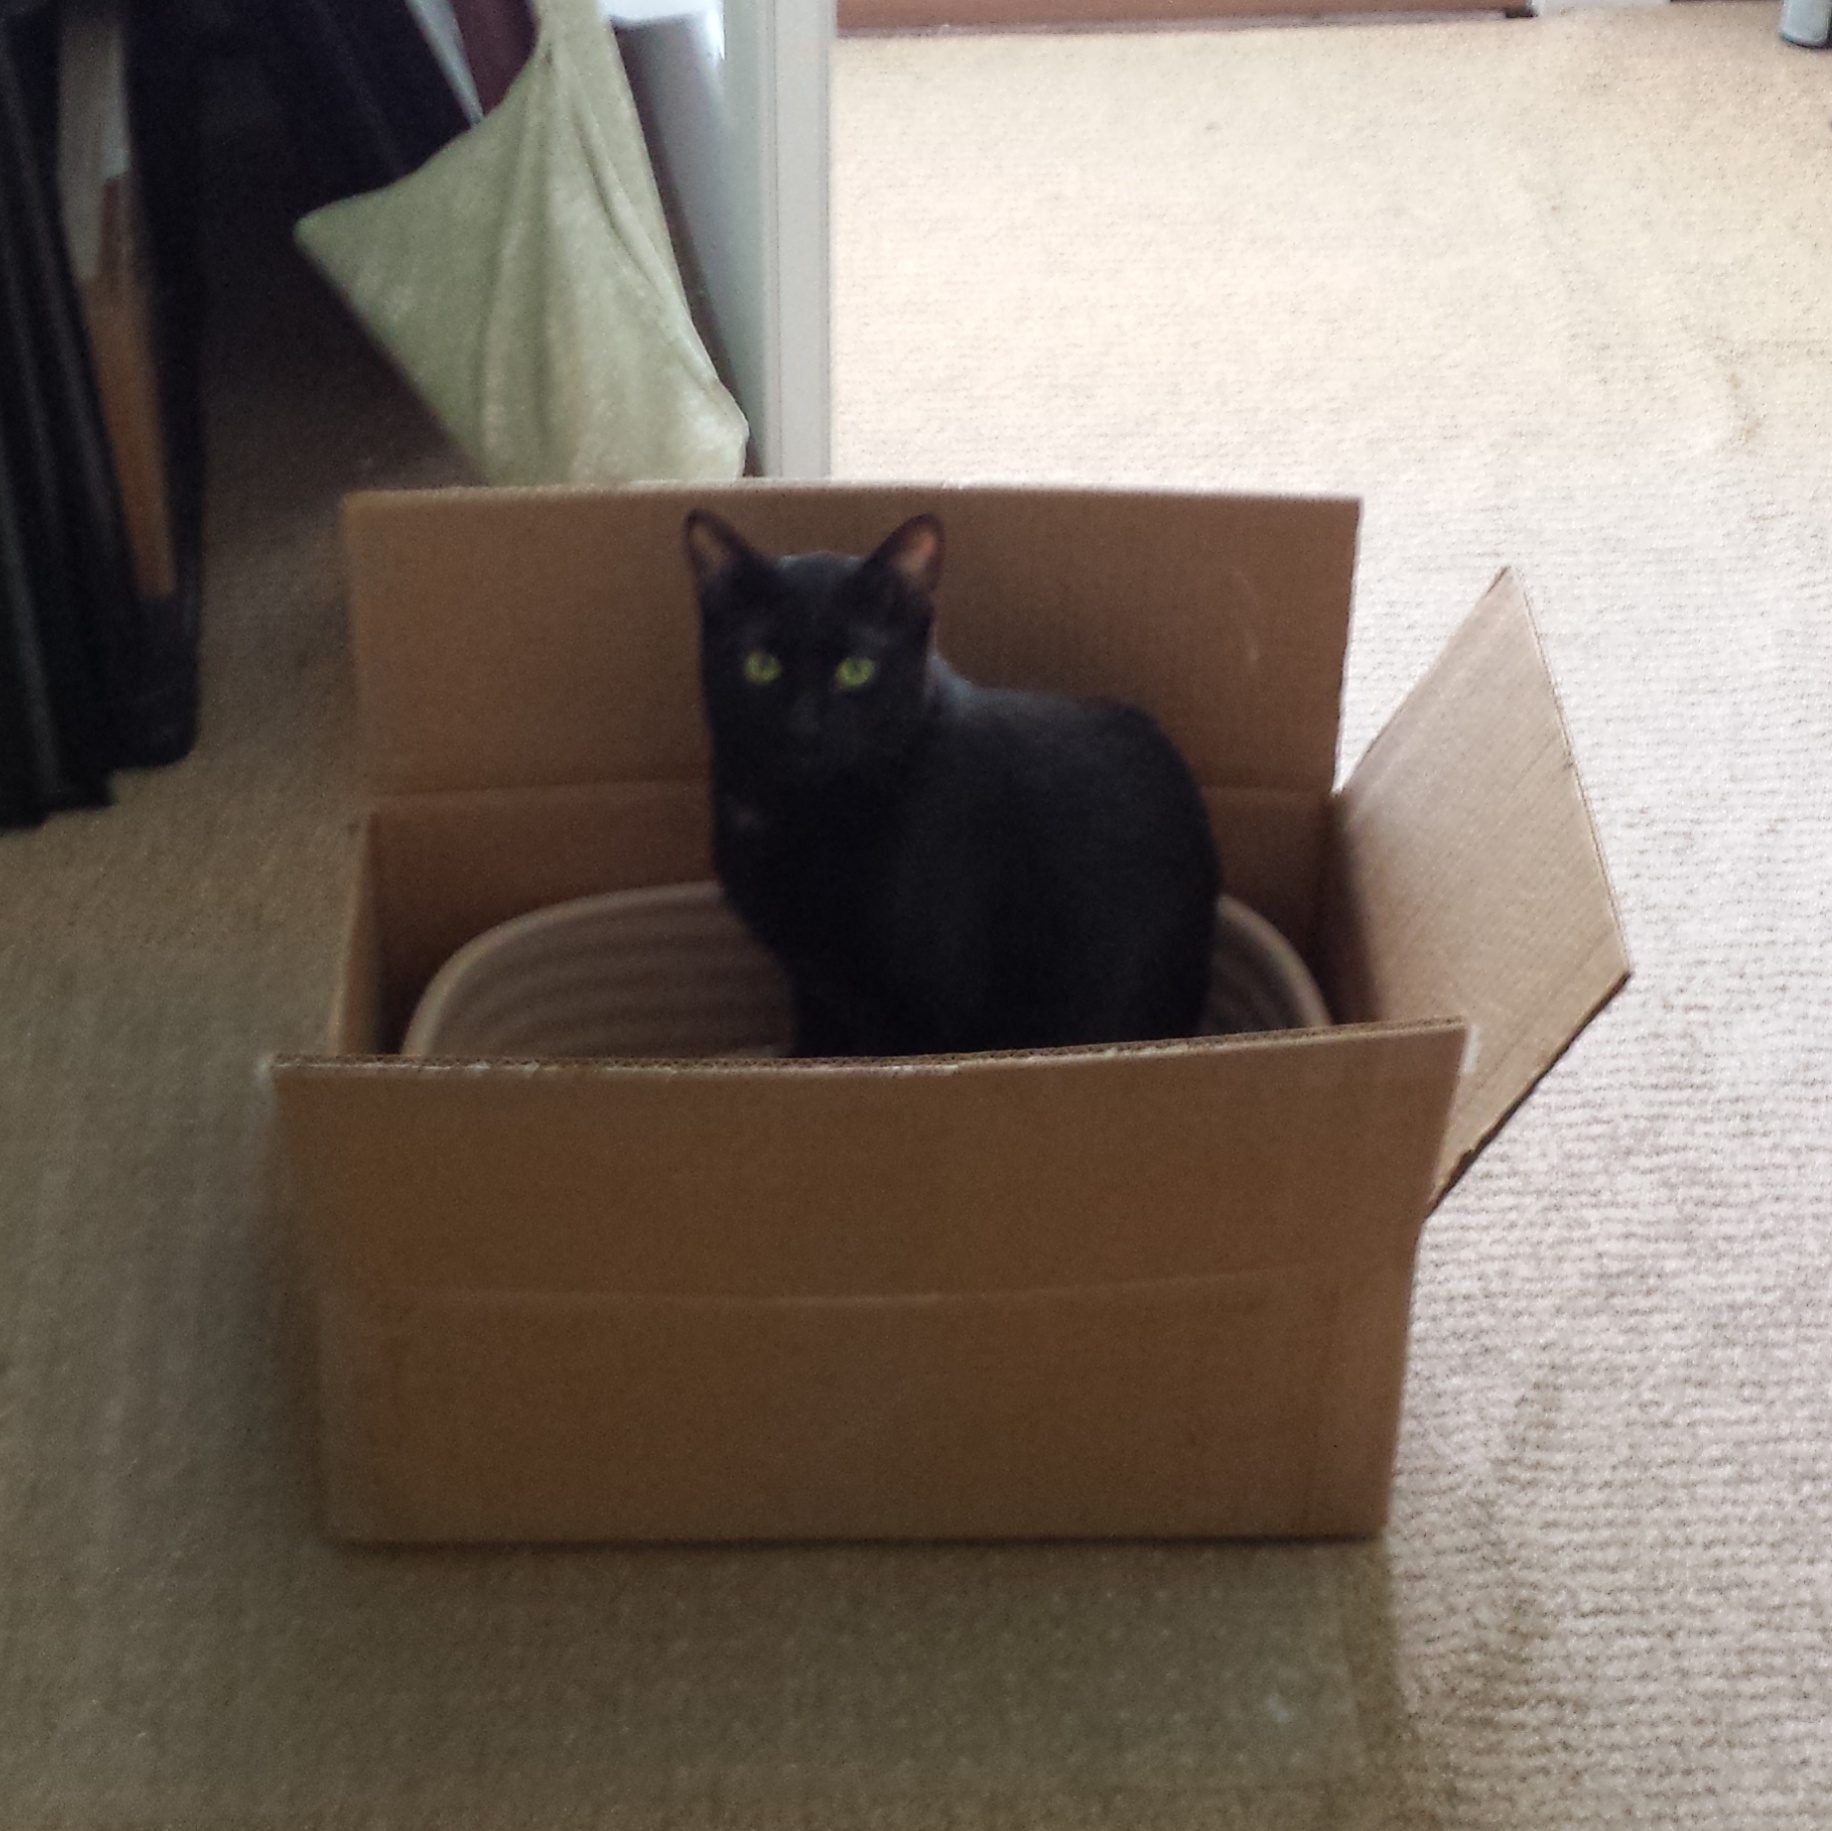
{"x":1556,"y":293}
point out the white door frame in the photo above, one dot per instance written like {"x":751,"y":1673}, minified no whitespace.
{"x":735,"y":93}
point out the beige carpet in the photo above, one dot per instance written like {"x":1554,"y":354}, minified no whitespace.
{"x":1557,"y":293}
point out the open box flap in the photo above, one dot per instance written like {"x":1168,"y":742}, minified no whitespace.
{"x":518,"y":638}
{"x":1466,"y":876}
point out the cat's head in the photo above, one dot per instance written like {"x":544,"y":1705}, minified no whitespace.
{"x":814,"y":667}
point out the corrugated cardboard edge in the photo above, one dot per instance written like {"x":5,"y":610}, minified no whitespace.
{"x":1466,"y":877}
{"x":355,"y":1023}
{"x":287,"y":1240}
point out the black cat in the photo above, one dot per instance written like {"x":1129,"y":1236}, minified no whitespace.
{"x":940,"y":867}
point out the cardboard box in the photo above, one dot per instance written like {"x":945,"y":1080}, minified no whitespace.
{"x":1150,"y":1291}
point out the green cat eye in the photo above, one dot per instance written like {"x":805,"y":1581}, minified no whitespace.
{"x":761,"y":667}
{"x":855,"y":671}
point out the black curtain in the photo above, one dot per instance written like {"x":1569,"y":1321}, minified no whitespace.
{"x":92,"y":676}
{"x":62,"y":544}
{"x":364,"y":98}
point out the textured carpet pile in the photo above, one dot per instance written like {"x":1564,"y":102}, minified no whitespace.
{"x":1551,"y":293}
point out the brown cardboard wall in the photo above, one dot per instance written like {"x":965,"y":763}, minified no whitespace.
{"x":1107,"y":1292}
{"x":511,"y":638}
{"x":1211,"y":1407}
{"x":1273,"y":843}
{"x":986,"y":1173}
{"x":448,"y":866}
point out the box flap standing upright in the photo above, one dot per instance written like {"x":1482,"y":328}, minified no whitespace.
{"x":1151,"y":1291}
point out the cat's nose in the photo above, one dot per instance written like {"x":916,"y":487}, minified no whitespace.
{"x":803,"y":724}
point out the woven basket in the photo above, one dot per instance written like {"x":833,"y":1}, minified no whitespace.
{"x":672,"y":972}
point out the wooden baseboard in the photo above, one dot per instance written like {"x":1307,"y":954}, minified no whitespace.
{"x":996,"y":15}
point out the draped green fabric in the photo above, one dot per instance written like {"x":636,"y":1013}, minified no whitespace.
{"x":524,"y":281}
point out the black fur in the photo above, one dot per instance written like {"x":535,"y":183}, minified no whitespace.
{"x":940,"y":867}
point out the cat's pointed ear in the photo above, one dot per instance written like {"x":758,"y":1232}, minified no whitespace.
{"x":913,"y":553}
{"x":715,"y":549}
